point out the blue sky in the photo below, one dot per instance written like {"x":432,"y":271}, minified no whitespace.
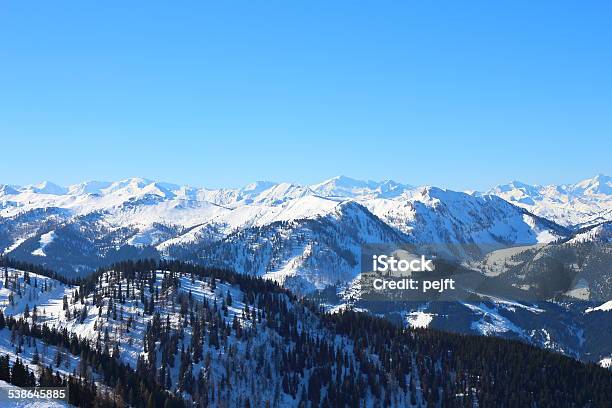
{"x":451,"y":93}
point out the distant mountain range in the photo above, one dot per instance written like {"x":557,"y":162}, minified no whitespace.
{"x":83,"y":226}
{"x":573,"y":205}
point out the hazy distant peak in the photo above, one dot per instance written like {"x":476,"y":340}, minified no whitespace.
{"x":88,"y":187}
{"x":343,"y":186}
{"x":600,"y":184}
{"x":6,"y":189}
{"x":258,"y":186}
{"x":579,"y":204}
{"x":46,"y":187}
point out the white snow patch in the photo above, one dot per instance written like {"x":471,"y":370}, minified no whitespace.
{"x":45,"y":239}
{"x":419,"y":319}
{"x":14,"y":245}
{"x":606,"y":307}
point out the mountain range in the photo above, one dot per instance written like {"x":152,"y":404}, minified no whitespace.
{"x":308,"y":238}
{"x":90,"y":224}
{"x":573,"y":205}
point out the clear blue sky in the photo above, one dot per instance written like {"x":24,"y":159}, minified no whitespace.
{"x":461,"y":94}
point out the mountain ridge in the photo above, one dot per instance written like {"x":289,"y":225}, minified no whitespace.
{"x":138,"y":215}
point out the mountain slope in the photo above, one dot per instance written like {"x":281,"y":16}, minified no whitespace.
{"x":432,"y":216}
{"x":215,"y":338}
{"x":303,"y":252}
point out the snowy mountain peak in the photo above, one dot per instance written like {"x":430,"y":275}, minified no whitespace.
{"x":600,"y":184}
{"x":133,"y":183}
{"x":339,"y":186}
{"x":136,"y":187}
{"x":346,"y":187}
{"x":46,"y":187}
{"x":161,"y":189}
{"x":280,"y":193}
{"x":436,"y":194}
{"x":88,"y":187}
{"x":517,"y":189}
{"x":258,"y":187}
{"x":5,"y":190}
{"x":585,"y":203}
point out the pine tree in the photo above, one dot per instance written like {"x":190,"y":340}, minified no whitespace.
{"x":5,"y":371}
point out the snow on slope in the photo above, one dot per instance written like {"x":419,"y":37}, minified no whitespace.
{"x":259,"y":215}
{"x":433,"y":216}
{"x":42,"y":299}
{"x":254,"y":215}
{"x":88,"y":320}
{"x":419,"y":319}
{"x":42,"y":291}
{"x":6,"y":190}
{"x":116,"y":319}
{"x":300,"y":248}
{"x":600,"y":233}
{"x":45,"y":239}
{"x":606,"y":307}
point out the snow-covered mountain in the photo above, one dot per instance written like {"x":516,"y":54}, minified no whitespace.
{"x":346,"y":187}
{"x":587,"y":202}
{"x":311,"y":232}
{"x":306,"y":252}
{"x":433,"y":216}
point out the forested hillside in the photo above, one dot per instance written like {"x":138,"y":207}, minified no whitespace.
{"x":157,"y":334}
